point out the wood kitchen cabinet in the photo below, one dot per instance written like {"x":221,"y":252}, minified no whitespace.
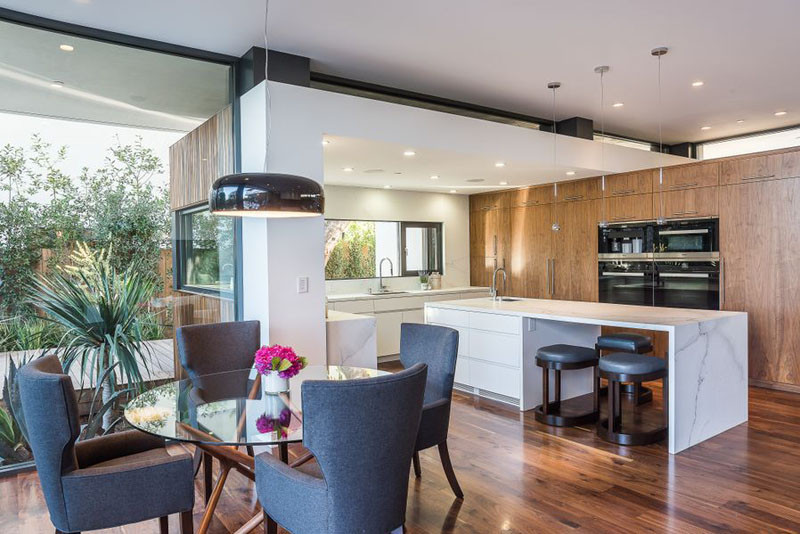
{"x":489,"y":201}
{"x":629,"y":183}
{"x":489,"y":231}
{"x":530,"y":251}
{"x":586,"y":189}
{"x":755,"y":168}
{"x":760,"y":249}
{"x":532,"y":196}
{"x":689,"y":176}
{"x":628,"y":208}
{"x":790,"y":164}
{"x":688,"y":203}
{"x":574,"y":252}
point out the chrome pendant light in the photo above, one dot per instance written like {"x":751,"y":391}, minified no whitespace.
{"x":266,"y":194}
{"x":659,"y":53}
{"x":555,"y":226}
{"x":601,"y":70}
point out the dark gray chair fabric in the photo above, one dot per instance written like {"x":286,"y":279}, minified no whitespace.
{"x":631,"y":364}
{"x":102,"y":482}
{"x":362,"y":434}
{"x":626,"y":342}
{"x":566,"y":354}
{"x":437,"y":347}
{"x":215,"y":348}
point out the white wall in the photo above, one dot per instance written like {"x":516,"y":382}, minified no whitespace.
{"x":392,"y":205}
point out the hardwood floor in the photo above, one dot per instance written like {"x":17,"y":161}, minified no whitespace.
{"x":519,"y":476}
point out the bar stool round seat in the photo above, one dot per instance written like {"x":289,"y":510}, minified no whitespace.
{"x":625,"y":342}
{"x":621,"y":367}
{"x":559,"y":358}
{"x":628,"y":342}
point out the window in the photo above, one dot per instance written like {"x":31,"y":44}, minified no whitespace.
{"x":359,"y":249}
{"x":206,"y":255}
{"x":750,"y":143}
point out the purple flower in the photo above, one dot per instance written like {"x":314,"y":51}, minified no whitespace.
{"x":279,"y":424}
{"x":279,"y":358}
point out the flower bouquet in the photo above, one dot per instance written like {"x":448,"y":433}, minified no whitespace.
{"x":276,"y":365}
{"x":270,"y":423}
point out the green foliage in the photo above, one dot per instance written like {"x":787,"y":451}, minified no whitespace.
{"x":28,"y":333}
{"x":353,"y":256}
{"x":100,"y":311}
{"x":13,"y":442}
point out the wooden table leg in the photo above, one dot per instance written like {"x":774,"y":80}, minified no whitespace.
{"x":215,"y":495}
{"x":282,"y":452}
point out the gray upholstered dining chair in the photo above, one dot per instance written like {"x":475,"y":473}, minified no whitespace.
{"x":206,"y":349}
{"x":436,"y":346}
{"x":362,"y":434}
{"x":102,"y":482}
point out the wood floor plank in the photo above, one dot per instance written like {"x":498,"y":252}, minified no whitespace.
{"x":519,"y":476}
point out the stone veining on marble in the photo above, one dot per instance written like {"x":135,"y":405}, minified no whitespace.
{"x":352,"y":340}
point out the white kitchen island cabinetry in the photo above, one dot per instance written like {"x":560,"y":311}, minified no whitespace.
{"x":706,"y":360}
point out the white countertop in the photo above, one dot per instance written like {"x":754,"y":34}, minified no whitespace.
{"x":403,"y":293}
{"x":645,"y":317}
{"x":336,"y":316}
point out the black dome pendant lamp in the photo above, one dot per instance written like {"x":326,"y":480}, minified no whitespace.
{"x":266,"y":194}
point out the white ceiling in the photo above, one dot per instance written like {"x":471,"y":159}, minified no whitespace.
{"x":501,"y":54}
{"x":106,"y":83}
{"x":377,"y":164}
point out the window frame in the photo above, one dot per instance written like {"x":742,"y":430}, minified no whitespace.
{"x":181,"y":248}
{"x":439,"y":249}
{"x":401,"y":225}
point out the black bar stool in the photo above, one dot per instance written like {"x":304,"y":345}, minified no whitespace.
{"x":633,"y":343}
{"x":560,"y":358}
{"x":627,"y":367}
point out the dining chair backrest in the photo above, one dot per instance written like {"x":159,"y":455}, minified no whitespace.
{"x":50,"y":409}
{"x":205,"y":349}
{"x":435,"y":346}
{"x":362,"y":433}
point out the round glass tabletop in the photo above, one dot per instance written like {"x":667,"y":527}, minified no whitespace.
{"x":229,"y":408}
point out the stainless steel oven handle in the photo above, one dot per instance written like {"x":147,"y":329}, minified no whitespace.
{"x":684,"y":232}
{"x":684,"y":275}
{"x":621,"y":274}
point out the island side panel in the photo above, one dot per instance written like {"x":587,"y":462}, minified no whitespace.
{"x":707,"y":380}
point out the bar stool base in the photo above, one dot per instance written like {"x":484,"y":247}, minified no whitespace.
{"x":556,"y":419}
{"x":636,"y":438}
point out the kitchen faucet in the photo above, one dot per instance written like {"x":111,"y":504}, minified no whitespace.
{"x":381,"y":287}
{"x":494,"y":282}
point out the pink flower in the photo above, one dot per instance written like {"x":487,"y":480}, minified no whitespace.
{"x":280,"y":424}
{"x":280,"y":359}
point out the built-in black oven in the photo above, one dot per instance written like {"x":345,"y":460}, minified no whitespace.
{"x":626,"y":282}
{"x":687,"y":237}
{"x":687,"y":283}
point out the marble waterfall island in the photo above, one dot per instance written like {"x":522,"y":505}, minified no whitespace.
{"x":707,"y":356}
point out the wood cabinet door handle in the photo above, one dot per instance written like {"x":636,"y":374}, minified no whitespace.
{"x":623,"y":217}
{"x":623,"y":192}
{"x":691,"y":212}
{"x":763,"y":177}
{"x":573,"y":197}
{"x":682,"y":186}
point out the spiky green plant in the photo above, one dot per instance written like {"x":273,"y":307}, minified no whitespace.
{"x":100,"y":311}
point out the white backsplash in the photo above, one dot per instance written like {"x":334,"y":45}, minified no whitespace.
{"x":339,"y":287}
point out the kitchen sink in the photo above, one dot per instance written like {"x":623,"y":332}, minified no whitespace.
{"x":390,"y":292}
{"x":505,"y":299}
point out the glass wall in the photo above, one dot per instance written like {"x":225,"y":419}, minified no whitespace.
{"x":85,"y":133}
{"x":750,"y":143}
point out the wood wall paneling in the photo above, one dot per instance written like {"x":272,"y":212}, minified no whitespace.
{"x":200,"y":157}
{"x":575,"y":251}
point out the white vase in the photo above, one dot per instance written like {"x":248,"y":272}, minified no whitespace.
{"x":271,"y":383}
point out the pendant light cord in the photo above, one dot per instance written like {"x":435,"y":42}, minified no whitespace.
{"x":660,"y":148}
{"x":603,"y":143}
{"x":268,"y":97}
{"x":555,"y":159}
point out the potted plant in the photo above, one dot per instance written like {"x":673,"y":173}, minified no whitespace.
{"x":277,"y":364}
{"x":423,"y":280}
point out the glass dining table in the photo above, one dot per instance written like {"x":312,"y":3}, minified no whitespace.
{"x":223,"y":412}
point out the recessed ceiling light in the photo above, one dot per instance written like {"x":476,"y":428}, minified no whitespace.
{"x":325,"y":142}
{"x":698,"y":83}
{"x":66,"y":47}
{"x":57,"y":84}
{"x":348,"y":169}
{"x":740,"y":121}
{"x":780,"y":113}
{"x":409,"y":153}
{"x":570,"y":173}
{"x":705,"y":127}
{"x":617,"y":105}
{"x":453,"y":191}
{"x":387,"y":186}
{"x":435,"y":177}
{"x":499,"y":164}
{"x":503,"y":183}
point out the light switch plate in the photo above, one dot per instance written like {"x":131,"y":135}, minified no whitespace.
{"x":302,"y":284}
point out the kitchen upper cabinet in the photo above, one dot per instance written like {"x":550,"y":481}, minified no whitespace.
{"x":586,"y":189}
{"x":629,"y":183}
{"x":532,"y":196}
{"x":749,"y":169}
{"x":573,"y":268}
{"x":760,"y":249}
{"x":628,"y":208}
{"x":688,"y":176}
{"x":530,"y":251}
{"x":790,"y":164}
{"x":689,"y":203}
{"x":489,"y":201}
